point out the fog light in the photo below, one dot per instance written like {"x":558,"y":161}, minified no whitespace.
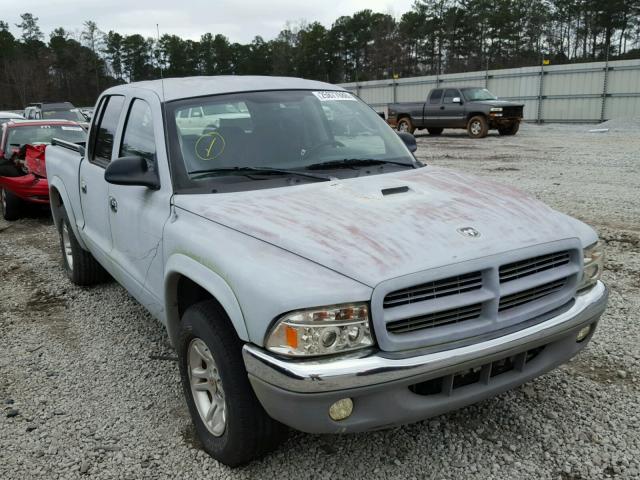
{"x":583,"y":333}
{"x":341,"y":409}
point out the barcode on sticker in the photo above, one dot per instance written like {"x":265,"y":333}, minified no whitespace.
{"x":328,"y":96}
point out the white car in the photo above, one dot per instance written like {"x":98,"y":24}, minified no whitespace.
{"x":8,"y":116}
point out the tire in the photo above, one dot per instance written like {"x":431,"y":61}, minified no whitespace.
{"x":511,"y":129}
{"x":79,"y":265}
{"x":477,"y":127}
{"x":11,"y":205}
{"x":239,"y":430}
{"x":405,"y":125}
{"x":435,"y":131}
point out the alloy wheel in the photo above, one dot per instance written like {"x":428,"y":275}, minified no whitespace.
{"x":206,"y":387}
{"x":66,"y":246}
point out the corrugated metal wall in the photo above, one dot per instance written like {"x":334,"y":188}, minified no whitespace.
{"x":582,"y":92}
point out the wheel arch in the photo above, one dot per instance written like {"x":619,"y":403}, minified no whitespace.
{"x":470,"y":115}
{"x":59,"y":200}
{"x":188,"y":281}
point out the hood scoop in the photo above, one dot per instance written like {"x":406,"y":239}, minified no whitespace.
{"x":394,"y":190}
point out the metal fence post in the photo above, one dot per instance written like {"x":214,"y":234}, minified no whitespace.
{"x":395,"y":91}
{"x":540,"y":90}
{"x":605,"y":81}
{"x":486,"y":75}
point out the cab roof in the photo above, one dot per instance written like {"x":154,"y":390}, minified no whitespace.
{"x":171,"y":89}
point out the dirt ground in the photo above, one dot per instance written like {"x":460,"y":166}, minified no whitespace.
{"x":89,"y":385}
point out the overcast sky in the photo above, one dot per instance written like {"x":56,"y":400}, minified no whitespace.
{"x":240,"y":20}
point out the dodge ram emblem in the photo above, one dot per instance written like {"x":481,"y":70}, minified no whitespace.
{"x":469,"y":232}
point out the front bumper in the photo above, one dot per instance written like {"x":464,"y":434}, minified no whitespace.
{"x":299,"y":392}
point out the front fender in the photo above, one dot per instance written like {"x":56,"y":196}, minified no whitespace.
{"x":57,"y":185}
{"x":180,"y":264}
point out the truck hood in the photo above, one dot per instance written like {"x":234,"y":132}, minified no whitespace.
{"x":379,"y":227}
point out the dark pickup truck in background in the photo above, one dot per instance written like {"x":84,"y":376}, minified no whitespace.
{"x":475,"y":109}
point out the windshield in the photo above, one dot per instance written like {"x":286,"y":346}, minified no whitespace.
{"x":286,"y":130}
{"x":73,"y":115}
{"x":22,"y":135}
{"x":478,"y":94}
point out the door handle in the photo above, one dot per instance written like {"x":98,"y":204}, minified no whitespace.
{"x":83,"y":186}
{"x":113,"y":204}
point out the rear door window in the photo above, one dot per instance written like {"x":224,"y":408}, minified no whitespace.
{"x":105,"y":130}
{"x":436,"y":96}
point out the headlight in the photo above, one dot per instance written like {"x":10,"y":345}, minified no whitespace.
{"x":593,"y":263}
{"x":496,"y":109}
{"x":321,"y":331}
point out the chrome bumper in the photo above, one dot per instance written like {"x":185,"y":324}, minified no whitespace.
{"x":373,"y":368}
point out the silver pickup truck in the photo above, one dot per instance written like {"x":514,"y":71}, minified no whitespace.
{"x":310,"y":272}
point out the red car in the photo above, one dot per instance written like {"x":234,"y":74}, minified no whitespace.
{"x":23,"y":175}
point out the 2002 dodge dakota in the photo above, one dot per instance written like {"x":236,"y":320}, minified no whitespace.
{"x":309,"y":270}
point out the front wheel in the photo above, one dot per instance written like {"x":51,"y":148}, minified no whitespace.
{"x":477,"y":127}
{"x":228,"y":418}
{"x":11,"y":205}
{"x":510,"y":129}
{"x":405,"y":125}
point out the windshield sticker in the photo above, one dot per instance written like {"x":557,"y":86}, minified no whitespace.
{"x":73,"y":129}
{"x":329,"y":96}
{"x":210,"y":146}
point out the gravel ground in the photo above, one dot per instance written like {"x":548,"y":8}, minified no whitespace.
{"x":89,"y":384}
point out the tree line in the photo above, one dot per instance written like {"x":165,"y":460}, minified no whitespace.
{"x":434,"y":37}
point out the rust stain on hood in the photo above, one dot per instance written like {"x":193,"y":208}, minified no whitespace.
{"x":351,"y":227}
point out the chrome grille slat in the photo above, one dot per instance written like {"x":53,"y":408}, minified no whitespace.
{"x":534,"y":268}
{"x":435,"y":319}
{"x":508,"y":268}
{"x":531,"y":266}
{"x":531,"y":294}
{"x":439,"y":286}
{"x":435,"y":289}
{"x":431,"y":294}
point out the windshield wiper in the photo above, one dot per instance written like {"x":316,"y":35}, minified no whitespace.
{"x":255,"y":170}
{"x":350,"y":162}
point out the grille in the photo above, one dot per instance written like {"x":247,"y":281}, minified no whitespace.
{"x":512,"y":111}
{"x":436,"y":289}
{"x":437,"y":319}
{"x":520,"y":298}
{"x":479,"y":374}
{"x":530,"y":266}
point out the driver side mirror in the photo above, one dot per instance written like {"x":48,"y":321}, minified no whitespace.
{"x":409,"y":140}
{"x":132,"y":171}
{"x":457,"y":100}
